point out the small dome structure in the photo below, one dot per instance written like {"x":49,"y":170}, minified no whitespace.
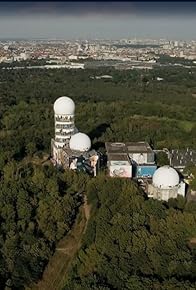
{"x":80,"y":142}
{"x":64,"y":106}
{"x":165,"y":177}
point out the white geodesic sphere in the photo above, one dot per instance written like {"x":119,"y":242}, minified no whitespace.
{"x":80,"y":142}
{"x":64,"y":106}
{"x":165,"y":177}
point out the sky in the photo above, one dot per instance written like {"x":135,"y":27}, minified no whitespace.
{"x":98,"y":20}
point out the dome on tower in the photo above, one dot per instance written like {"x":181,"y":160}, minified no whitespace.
{"x":165,"y":177}
{"x":80,"y":142}
{"x":64,"y":106}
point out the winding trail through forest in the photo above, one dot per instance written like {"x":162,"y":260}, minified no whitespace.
{"x":55,"y":273}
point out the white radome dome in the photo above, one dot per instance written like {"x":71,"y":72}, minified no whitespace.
{"x":64,"y":106}
{"x":165,"y":177}
{"x":80,"y":142}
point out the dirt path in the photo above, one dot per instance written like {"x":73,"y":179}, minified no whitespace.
{"x":87,"y":210}
{"x":59,"y":264}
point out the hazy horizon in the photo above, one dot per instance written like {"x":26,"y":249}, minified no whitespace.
{"x":97,"y":20}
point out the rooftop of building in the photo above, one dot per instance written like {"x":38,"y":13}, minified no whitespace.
{"x":128,"y":147}
{"x":183,"y":157}
{"x":138,"y":147}
{"x":116,"y":148}
{"x":118,"y":157}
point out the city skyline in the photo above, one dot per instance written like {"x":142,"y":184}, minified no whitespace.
{"x":91,"y":20}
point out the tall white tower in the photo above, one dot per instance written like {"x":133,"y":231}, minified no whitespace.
{"x":64,"y":110}
{"x":69,"y":146}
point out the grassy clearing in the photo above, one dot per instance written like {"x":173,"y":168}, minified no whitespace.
{"x":186,"y":126}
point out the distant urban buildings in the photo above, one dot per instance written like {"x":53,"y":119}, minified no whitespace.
{"x":128,"y":53}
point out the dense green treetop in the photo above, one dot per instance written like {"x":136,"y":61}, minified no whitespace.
{"x":130,"y":242}
{"x":134,"y":243}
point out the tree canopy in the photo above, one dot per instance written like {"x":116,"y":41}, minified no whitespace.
{"x":130,"y":242}
{"x":134,"y":243}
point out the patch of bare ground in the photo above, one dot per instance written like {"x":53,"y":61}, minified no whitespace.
{"x":192,"y":243}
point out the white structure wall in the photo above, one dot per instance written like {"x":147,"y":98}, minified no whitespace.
{"x":140,"y":158}
{"x":64,"y":129}
{"x":165,"y":194}
{"x":120,"y":169}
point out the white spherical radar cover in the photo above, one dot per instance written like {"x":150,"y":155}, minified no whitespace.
{"x":64,"y":106}
{"x":80,"y":142}
{"x":165,"y":177}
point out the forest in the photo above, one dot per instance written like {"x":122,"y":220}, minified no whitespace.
{"x":131,"y":242}
{"x":134,"y":243}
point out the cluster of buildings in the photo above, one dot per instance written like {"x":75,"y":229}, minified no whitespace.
{"x":71,"y":148}
{"x":135,"y":160}
{"x":61,"y":51}
{"x":131,"y":159}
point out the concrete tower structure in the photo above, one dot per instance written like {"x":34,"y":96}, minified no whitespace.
{"x":70,"y":149}
{"x":64,"y":111}
{"x":64,"y":114}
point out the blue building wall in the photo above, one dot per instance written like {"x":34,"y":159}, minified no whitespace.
{"x":145,"y":170}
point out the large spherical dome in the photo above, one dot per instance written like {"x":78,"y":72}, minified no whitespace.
{"x":80,"y":142}
{"x":165,"y":177}
{"x":64,"y":106}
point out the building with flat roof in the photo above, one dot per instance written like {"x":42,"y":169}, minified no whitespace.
{"x":115,"y":148}
{"x":180,"y":158}
{"x":140,"y":152}
{"x":119,"y":165}
{"x":139,"y":156}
